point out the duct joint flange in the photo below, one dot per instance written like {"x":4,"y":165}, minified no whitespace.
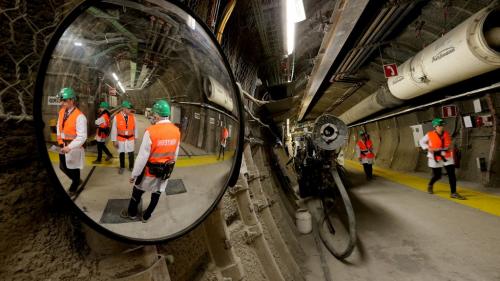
{"x":238,"y":188}
{"x":260,"y":205}
{"x":251,"y":233}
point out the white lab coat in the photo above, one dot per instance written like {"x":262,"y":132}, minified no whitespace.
{"x":127,"y":145}
{"x":431,"y":162}
{"x":75,"y":158}
{"x":364,"y":160}
{"x":150,"y":184}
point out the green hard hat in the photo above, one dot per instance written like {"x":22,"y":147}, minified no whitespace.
{"x":162,"y":108}
{"x":104,"y":104}
{"x":361,"y":132}
{"x":67,"y":93}
{"x":437,"y":122}
{"x":126,"y":104}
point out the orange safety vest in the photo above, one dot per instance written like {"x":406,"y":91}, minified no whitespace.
{"x":165,"y":138}
{"x":125,"y":130}
{"x":437,"y":142}
{"x":67,"y":128}
{"x":365,"y":149}
{"x":101,"y":130}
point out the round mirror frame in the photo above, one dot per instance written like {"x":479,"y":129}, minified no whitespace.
{"x":39,"y":126}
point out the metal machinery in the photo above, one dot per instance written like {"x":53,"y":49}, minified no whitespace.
{"x":316,"y":147}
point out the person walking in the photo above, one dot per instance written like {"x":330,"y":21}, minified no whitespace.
{"x":223,"y":141}
{"x":71,"y":135}
{"x":123,"y":135}
{"x":364,"y":152}
{"x":440,"y":154}
{"x":155,"y":161}
{"x":103,"y":123}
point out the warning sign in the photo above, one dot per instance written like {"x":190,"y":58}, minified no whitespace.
{"x":53,"y":100}
{"x":390,"y":70}
{"x":449,"y":111}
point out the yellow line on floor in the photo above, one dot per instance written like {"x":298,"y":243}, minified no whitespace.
{"x":182,"y":161}
{"x":485,"y":202}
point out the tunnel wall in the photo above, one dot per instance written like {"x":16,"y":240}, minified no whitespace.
{"x":394,"y":142}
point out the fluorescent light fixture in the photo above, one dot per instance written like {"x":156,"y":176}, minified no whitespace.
{"x":191,"y":22}
{"x":114,"y":76}
{"x":78,"y":44}
{"x":121,"y":86}
{"x":294,"y":13}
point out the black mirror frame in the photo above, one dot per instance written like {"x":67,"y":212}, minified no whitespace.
{"x":39,"y":126}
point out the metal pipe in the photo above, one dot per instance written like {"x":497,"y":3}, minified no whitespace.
{"x":263,"y":205}
{"x":253,"y":232}
{"x":494,"y":133}
{"x":219,"y":246}
{"x":461,"y":54}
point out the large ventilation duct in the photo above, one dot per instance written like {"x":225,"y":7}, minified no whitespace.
{"x":470,"y":49}
{"x":217,"y":94}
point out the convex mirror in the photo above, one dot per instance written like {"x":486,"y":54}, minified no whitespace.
{"x":113,"y":69}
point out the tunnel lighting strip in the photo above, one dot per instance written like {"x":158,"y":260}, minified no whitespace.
{"x":204,"y":105}
{"x":477,"y":91}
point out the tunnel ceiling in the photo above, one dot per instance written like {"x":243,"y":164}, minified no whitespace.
{"x":413,"y":25}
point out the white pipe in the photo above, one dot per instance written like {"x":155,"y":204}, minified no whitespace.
{"x":217,"y":94}
{"x":462,"y":53}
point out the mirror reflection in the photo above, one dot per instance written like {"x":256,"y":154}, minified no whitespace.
{"x":142,"y":117}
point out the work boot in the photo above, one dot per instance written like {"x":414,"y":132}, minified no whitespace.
{"x":124,"y":214}
{"x":120,"y":171}
{"x":430,"y":189}
{"x":96,"y":162}
{"x":457,"y":196}
{"x":108,"y":158}
{"x":145,"y":218}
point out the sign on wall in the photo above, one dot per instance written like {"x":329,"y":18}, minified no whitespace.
{"x":196,"y":115}
{"x":53,"y":100}
{"x":390,"y":70}
{"x":449,"y":111}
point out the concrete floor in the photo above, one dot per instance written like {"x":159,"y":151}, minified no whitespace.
{"x":406,"y":234}
{"x":203,"y":182}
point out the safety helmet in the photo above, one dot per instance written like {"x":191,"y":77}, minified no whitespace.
{"x":162,"y":108}
{"x":67,"y":94}
{"x":104,"y":104}
{"x":361,"y":132}
{"x":437,"y":122}
{"x":126,"y":104}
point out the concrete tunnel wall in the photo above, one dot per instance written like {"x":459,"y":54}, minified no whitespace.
{"x":394,"y":143}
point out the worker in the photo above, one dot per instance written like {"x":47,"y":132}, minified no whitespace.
{"x":71,"y":135}
{"x":124,"y":134}
{"x":103,"y":123}
{"x":155,"y":161}
{"x":223,"y":141}
{"x":440,"y":154}
{"x":364,"y":152}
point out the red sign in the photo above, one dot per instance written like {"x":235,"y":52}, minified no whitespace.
{"x":390,"y":70}
{"x":449,"y":111}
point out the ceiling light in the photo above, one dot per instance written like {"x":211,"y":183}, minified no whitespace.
{"x":121,"y":86}
{"x":191,"y":22}
{"x":294,"y":13}
{"x":78,"y":44}
{"x":114,"y":76}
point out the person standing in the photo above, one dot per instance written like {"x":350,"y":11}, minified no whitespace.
{"x":364,"y":152}
{"x":223,"y":141}
{"x":440,"y":154}
{"x":71,"y":135}
{"x":123,"y":135}
{"x":103,"y":124}
{"x":155,"y":161}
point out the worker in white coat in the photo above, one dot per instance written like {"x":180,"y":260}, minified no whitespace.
{"x":123,"y":135}
{"x":155,"y":161}
{"x":71,"y":135}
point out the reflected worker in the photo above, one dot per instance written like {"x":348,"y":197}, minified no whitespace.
{"x":364,"y":152}
{"x":155,"y":161}
{"x":103,"y":123}
{"x":223,"y":142}
{"x":71,"y":135}
{"x":123,"y":135}
{"x":440,"y":154}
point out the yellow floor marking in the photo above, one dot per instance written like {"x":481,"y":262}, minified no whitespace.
{"x":182,"y":161}
{"x":485,"y":202}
